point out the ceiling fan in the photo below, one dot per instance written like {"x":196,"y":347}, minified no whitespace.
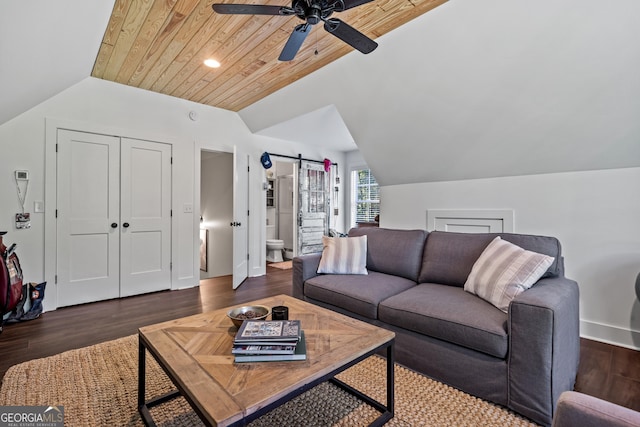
{"x":312,"y":12}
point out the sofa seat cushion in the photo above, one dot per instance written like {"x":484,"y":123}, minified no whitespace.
{"x":356,"y":293}
{"x":449,"y":313}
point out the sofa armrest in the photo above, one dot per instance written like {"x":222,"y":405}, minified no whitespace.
{"x":304,"y":268}
{"x":577,"y":409}
{"x":544,"y":346}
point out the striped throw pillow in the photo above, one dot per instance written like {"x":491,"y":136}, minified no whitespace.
{"x":344,"y":255}
{"x":505,"y":270}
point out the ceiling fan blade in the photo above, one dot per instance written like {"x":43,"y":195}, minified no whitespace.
{"x":251,"y":9}
{"x":295,"y":41}
{"x":350,"y":35}
{"x":348,"y":4}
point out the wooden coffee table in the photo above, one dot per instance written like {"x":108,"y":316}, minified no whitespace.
{"x":195,"y":353}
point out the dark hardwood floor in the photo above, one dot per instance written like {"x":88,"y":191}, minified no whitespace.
{"x":606,"y":371}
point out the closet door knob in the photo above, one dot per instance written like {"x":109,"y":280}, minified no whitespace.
{"x":114,"y":225}
{"x":125,"y":225}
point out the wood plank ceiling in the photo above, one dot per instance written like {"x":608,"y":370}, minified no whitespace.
{"x":160,"y":45}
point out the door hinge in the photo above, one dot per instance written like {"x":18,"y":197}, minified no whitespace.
{"x":56,"y":147}
{"x":56,"y":213}
{"x":170,"y":266}
{"x":171,"y":212}
{"x":247,"y":212}
{"x":247,"y":257}
{"x":248,"y":168}
{"x":55,"y":279}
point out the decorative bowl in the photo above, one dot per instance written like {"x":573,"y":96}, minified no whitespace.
{"x":247,"y":312}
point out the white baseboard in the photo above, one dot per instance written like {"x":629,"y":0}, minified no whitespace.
{"x":610,"y":334}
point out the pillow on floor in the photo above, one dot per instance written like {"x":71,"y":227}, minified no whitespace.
{"x":505,"y":270}
{"x":344,"y":255}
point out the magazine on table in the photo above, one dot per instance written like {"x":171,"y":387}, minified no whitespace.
{"x":300,"y":353}
{"x":263,"y":349}
{"x":259,"y":332}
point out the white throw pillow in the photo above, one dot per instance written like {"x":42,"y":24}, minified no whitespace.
{"x":505,"y":270}
{"x":344,"y":255}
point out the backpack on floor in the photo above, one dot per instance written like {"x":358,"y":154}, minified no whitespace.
{"x":10,"y":279}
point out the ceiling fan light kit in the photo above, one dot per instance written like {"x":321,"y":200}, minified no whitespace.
{"x":311,"y":12}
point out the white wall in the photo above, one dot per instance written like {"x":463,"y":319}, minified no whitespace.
{"x":261,"y":144}
{"x":594,"y":214}
{"x":27,"y":142}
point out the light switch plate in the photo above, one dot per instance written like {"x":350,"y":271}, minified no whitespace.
{"x":38,"y":206}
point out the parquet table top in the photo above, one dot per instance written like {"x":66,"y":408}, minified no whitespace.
{"x":195,"y":352}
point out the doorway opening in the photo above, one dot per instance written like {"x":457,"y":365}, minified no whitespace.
{"x":282,"y":199}
{"x":216,"y":213}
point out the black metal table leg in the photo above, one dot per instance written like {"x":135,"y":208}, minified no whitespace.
{"x":143,"y":405}
{"x":387,"y":411}
{"x":390,"y":380}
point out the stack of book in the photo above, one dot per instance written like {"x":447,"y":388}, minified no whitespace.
{"x":269,"y":341}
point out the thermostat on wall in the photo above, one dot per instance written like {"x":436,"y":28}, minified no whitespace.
{"x":22,"y":175}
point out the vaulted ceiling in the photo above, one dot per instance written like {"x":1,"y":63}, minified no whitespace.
{"x":472,"y":89}
{"x":482,"y":89}
{"x":160,"y":45}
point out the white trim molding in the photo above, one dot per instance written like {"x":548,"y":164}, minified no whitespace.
{"x":609,"y":334}
{"x":471,"y":220}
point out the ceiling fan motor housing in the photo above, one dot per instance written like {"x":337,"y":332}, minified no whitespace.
{"x":314,"y":14}
{"x":316,"y":11}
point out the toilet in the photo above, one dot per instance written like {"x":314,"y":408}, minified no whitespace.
{"x":274,"y":250}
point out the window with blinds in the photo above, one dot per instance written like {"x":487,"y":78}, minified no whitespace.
{"x":366,"y":196}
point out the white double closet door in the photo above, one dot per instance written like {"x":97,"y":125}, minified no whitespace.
{"x":113,"y":217}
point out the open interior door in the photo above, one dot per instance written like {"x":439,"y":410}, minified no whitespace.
{"x":240,"y":216}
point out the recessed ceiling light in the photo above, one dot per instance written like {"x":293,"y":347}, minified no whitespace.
{"x":211,"y":63}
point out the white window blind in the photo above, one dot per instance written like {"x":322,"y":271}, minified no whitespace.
{"x":367,"y":196}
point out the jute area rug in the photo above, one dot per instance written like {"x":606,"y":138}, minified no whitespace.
{"x":97,"y":386}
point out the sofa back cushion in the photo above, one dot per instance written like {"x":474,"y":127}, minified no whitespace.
{"x":396,"y":252}
{"x":449,"y":257}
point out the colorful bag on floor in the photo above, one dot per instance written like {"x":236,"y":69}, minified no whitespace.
{"x":18,"y":310}
{"x":10,"y":279}
{"x":36,"y":295}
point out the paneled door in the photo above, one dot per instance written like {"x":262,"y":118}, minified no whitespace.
{"x":113,"y":217}
{"x":88,"y":212}
{"x":145,"y":213}
{"x":240,"y":216}
{"x":313,"y":205}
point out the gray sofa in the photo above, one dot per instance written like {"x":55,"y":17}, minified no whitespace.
{"x":523,"y":359}
{"x":580,"y":410}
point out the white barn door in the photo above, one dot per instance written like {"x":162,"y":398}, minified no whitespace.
{"x":313,"y":207}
